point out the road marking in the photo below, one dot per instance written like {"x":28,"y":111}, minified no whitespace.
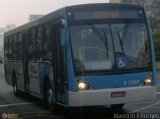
{"x":157,"y":93}
{"x":15,"y":104}
{"x":134,"y":103}
{"x":155,"y":107}
{"x":146,"y":107}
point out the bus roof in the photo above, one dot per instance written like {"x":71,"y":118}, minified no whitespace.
{"x":61,"y":13}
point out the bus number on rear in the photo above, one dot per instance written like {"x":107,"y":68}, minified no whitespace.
{"x":131,"y":82}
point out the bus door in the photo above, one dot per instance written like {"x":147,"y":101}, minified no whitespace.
{"x":25,"y":60}
{"x":59,"y":67}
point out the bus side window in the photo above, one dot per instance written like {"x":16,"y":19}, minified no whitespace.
{"x":6,"y":47}
{"x":14,"y":47}
{"x":10,"y":48}
{"x":20,"y":47}
{"x":47,"y":45}
{"x":31,"y":44}
{"x":39,"y":52}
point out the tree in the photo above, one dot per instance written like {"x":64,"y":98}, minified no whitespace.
{"x":156,"y":37}
{"x":154,"y":19}
{"x":10,"y":27}
{"x":154,"y":15}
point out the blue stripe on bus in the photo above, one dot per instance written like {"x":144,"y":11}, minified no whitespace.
{"x":115,"y":81}
{"x":153,"y":61}
{"x":70,"y":72}
{"x":154,"y":82}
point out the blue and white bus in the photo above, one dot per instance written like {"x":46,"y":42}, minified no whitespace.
{"x":84,"y":55}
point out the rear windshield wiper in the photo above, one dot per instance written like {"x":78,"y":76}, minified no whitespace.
{"x":99,"y":35}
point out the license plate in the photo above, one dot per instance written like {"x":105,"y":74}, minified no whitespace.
{"x":118,"y":94}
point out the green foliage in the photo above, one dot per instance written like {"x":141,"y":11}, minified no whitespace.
{"x":154,"y":15}
{"x":154,"y":20}
{"x":156,"y":37}
{"x":153,"y":23}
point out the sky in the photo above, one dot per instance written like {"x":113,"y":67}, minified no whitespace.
{"x":17,"y":11}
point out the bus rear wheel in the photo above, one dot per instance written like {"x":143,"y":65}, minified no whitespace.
{"x":15,"y":89}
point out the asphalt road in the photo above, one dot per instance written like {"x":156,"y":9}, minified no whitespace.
{"x":28,"y":107}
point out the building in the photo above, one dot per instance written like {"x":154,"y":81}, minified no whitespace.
{"x":141,"y":2}
{"x":2,"y":31}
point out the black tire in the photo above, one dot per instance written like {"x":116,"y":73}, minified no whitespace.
{"x":52,"y":107}
{"x":15,"y":90}
{"x":117,"y":106}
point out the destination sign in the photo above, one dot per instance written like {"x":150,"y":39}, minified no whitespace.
{"x":110,"y":14}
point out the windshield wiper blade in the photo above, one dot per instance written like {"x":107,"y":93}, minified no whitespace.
{"x":99,"y":35}
{"x":121,"y":39}
{"x":121,"y":44}
{"x":103,"y":39}
{"x":106,"y":41}
{"x":95,"y":30}
{"x":125,"y":31}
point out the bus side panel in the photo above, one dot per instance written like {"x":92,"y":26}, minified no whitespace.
{"x":16,"y":67}
{"x":152,"y":55}
{"x":70,"y":71}
{"x":45,"y":69}
{"x":20,"y":76}
{"x":37,"y":73}
{"x":51,"y":77}
{"x":9,"y":69}
{"x":34,"y":79}
{"x":153,"y":61}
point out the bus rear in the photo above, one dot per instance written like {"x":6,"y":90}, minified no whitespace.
{"x":111,"y":56}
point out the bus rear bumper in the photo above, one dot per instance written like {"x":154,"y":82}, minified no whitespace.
{"x":104,"y":96}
